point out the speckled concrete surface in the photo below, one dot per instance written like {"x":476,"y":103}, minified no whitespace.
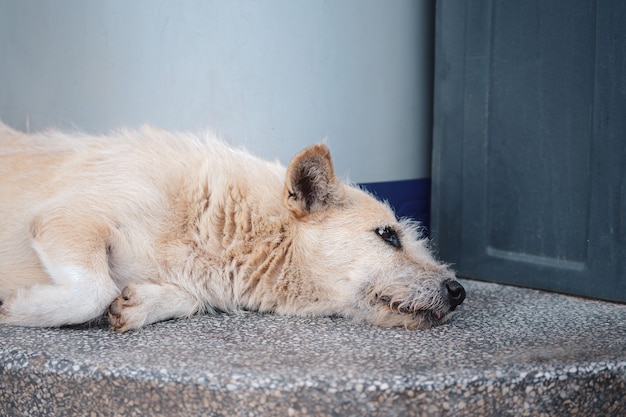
{"x":508,"y":352}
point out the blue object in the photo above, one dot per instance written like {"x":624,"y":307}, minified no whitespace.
{"x":409,"y":198}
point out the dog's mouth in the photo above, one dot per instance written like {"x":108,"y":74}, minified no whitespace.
{"x":429,"y":315}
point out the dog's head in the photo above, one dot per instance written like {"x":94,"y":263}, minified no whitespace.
{"x":365,"y":264}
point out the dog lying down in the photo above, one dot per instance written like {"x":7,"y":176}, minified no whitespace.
{"x":153,"y":225}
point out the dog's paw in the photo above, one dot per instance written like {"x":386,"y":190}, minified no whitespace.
{"x":5,"y":315}
{"x":125,"y":311}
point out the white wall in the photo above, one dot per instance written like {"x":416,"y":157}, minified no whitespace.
{"x":273,"y":75}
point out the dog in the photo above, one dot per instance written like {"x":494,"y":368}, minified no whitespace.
{"x":150,"y":225}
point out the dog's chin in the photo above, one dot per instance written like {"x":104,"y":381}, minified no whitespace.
{"x":432,"y":318}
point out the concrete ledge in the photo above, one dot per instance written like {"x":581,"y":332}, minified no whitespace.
{"x":509,"y":351}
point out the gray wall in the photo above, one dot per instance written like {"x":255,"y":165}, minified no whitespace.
{"x":272,"y":75}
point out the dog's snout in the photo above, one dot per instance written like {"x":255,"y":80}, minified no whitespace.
{"x":456,"y":293}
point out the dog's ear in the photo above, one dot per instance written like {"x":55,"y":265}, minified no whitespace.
{"x":311,"y":184}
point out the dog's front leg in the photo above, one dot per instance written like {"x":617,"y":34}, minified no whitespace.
{"x":74,"y":256}
{"x":149,"y":302}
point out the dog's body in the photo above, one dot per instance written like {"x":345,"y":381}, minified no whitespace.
{"x":180,"y":226}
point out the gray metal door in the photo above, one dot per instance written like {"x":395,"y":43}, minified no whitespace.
{"x":529,"y":152}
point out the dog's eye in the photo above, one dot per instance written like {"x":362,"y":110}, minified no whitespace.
{"x":390,"y":236}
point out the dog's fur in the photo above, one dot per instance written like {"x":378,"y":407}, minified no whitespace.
{"x":155,"y":225}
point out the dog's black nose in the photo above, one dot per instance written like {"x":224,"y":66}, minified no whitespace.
{"x":456,"y":293}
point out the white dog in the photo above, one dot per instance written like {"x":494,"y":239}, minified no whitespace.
{"x":155,"y":225}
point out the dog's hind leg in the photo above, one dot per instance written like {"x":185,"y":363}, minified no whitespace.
{"x":74,"y":256}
